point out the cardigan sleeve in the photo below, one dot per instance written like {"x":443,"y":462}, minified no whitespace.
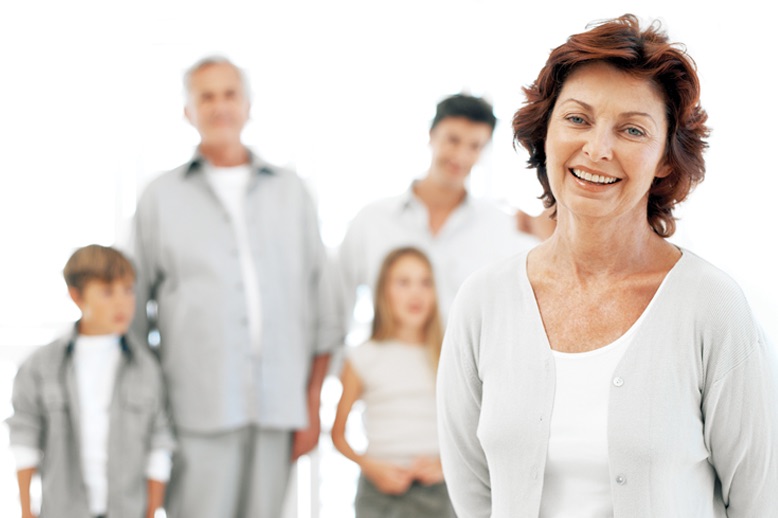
{"x":740,"y":409}
{"x":459,"y":392}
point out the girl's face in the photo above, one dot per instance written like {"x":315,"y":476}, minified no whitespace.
{"x":410,"y":292}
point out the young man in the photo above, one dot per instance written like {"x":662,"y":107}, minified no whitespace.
{"x":228,"y":247}
{"x":89,"y":409}
{"x":458,"y":232}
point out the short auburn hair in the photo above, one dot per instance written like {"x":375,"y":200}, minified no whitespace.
{"x":96,"y":263}
{"x":645,"y":54}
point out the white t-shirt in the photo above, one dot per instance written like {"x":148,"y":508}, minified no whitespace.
{"x":230,"y":185}
{"x":96,"y":360}
{"x":398,"y":384}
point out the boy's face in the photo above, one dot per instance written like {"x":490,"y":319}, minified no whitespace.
{"x":106,"y":307}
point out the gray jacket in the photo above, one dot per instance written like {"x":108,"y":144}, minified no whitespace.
{"x":46,"y":417}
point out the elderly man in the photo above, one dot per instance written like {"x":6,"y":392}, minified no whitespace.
{"x":228,"y":248}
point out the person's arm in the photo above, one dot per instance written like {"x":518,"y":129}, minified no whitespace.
{"x":459,"y":392}
{"x":155,"y":491}
{"x":740,"y":409}
{"x":142,"y":247}
{"x":388,"y":478}
{"x":24,"y":477}
{"x":351,"y":269}
{"x":540,"y":226}
{"x":26,"y":430}
{"x":306,"y":439}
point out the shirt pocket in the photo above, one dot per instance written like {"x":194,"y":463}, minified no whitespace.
{"x":139,"y":402}
{"x":57,"y":415}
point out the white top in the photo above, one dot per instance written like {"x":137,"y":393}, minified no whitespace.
{"x":399,"y":394}
{"x":576,"y":481}
{"x":230,"y":184}
{"x":96,"y":360}
{"x":476,"y":234}
{"x":692,"y":412}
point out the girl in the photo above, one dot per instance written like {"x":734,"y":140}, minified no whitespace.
{"x":394,"y":374}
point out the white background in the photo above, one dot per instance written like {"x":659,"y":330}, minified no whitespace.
{"x":91,"y":109}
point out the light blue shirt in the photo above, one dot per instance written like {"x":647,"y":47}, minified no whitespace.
{"x":188,"y":261}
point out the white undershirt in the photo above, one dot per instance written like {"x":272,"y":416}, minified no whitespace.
{"x":96,"y":360}
{"x":230,"y":185}
{"x":577,"y":479}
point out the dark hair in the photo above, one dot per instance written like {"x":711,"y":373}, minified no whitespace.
{"x":645,"y":54}
{"x":475,"y":109}
{"x":96,"y":262}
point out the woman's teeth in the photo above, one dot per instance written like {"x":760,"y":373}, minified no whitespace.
{"x":594,"y":178}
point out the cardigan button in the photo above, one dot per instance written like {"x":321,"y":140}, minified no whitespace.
{"x":621,"y":480}
{"x":617,"y":381}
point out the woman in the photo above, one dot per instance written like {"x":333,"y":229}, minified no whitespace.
{"x":607,"y":372}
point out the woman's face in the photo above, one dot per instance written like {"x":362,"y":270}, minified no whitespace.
{"x":410,"y":292}
{"x":605,"y":144}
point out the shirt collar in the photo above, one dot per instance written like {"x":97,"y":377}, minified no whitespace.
{"x":73,"y":335}
{"x":258,"y":165}
{"x":408,"y":199}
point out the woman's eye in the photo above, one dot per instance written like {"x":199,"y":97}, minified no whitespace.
{"x":635,"y":132}
{"x":575,"y":119}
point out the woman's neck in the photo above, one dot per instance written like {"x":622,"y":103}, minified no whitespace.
{"x":605,"y":248}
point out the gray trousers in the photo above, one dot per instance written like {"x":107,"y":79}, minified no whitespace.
{"x":236,"y":474}
{"x":418,"y":502}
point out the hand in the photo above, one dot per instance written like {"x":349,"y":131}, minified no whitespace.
{"x":427,"y":470}
{"x":541,"y":226}
{"x":305,"y":440}
{"x":26,"y":513}
{"x":387,"y":478}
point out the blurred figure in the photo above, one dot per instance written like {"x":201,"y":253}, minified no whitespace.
{"x":457,"y":231}
{"x":608,"y":372}
{"x":394,"y":374}
{"x":228,"y":249}
{"x":90,"y":408}
{"x":540,"y":226}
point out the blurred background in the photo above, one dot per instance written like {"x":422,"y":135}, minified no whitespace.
{"x":91,"y":109}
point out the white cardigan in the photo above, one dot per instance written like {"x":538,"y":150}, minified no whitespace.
{"x":693,"y":420}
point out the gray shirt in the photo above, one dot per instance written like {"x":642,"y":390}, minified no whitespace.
{"x":47,"y":417}
{"x":187,"y":257}
{"x":693,"y":408}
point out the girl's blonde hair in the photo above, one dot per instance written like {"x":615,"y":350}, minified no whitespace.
{"x":384,"y":327}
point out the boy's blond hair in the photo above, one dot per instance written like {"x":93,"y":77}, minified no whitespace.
{"x":96,"y":262}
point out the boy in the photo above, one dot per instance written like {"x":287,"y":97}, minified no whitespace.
{"x":89,"y":408}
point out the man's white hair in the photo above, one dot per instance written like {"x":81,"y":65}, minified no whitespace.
{"x":214,"y":60}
